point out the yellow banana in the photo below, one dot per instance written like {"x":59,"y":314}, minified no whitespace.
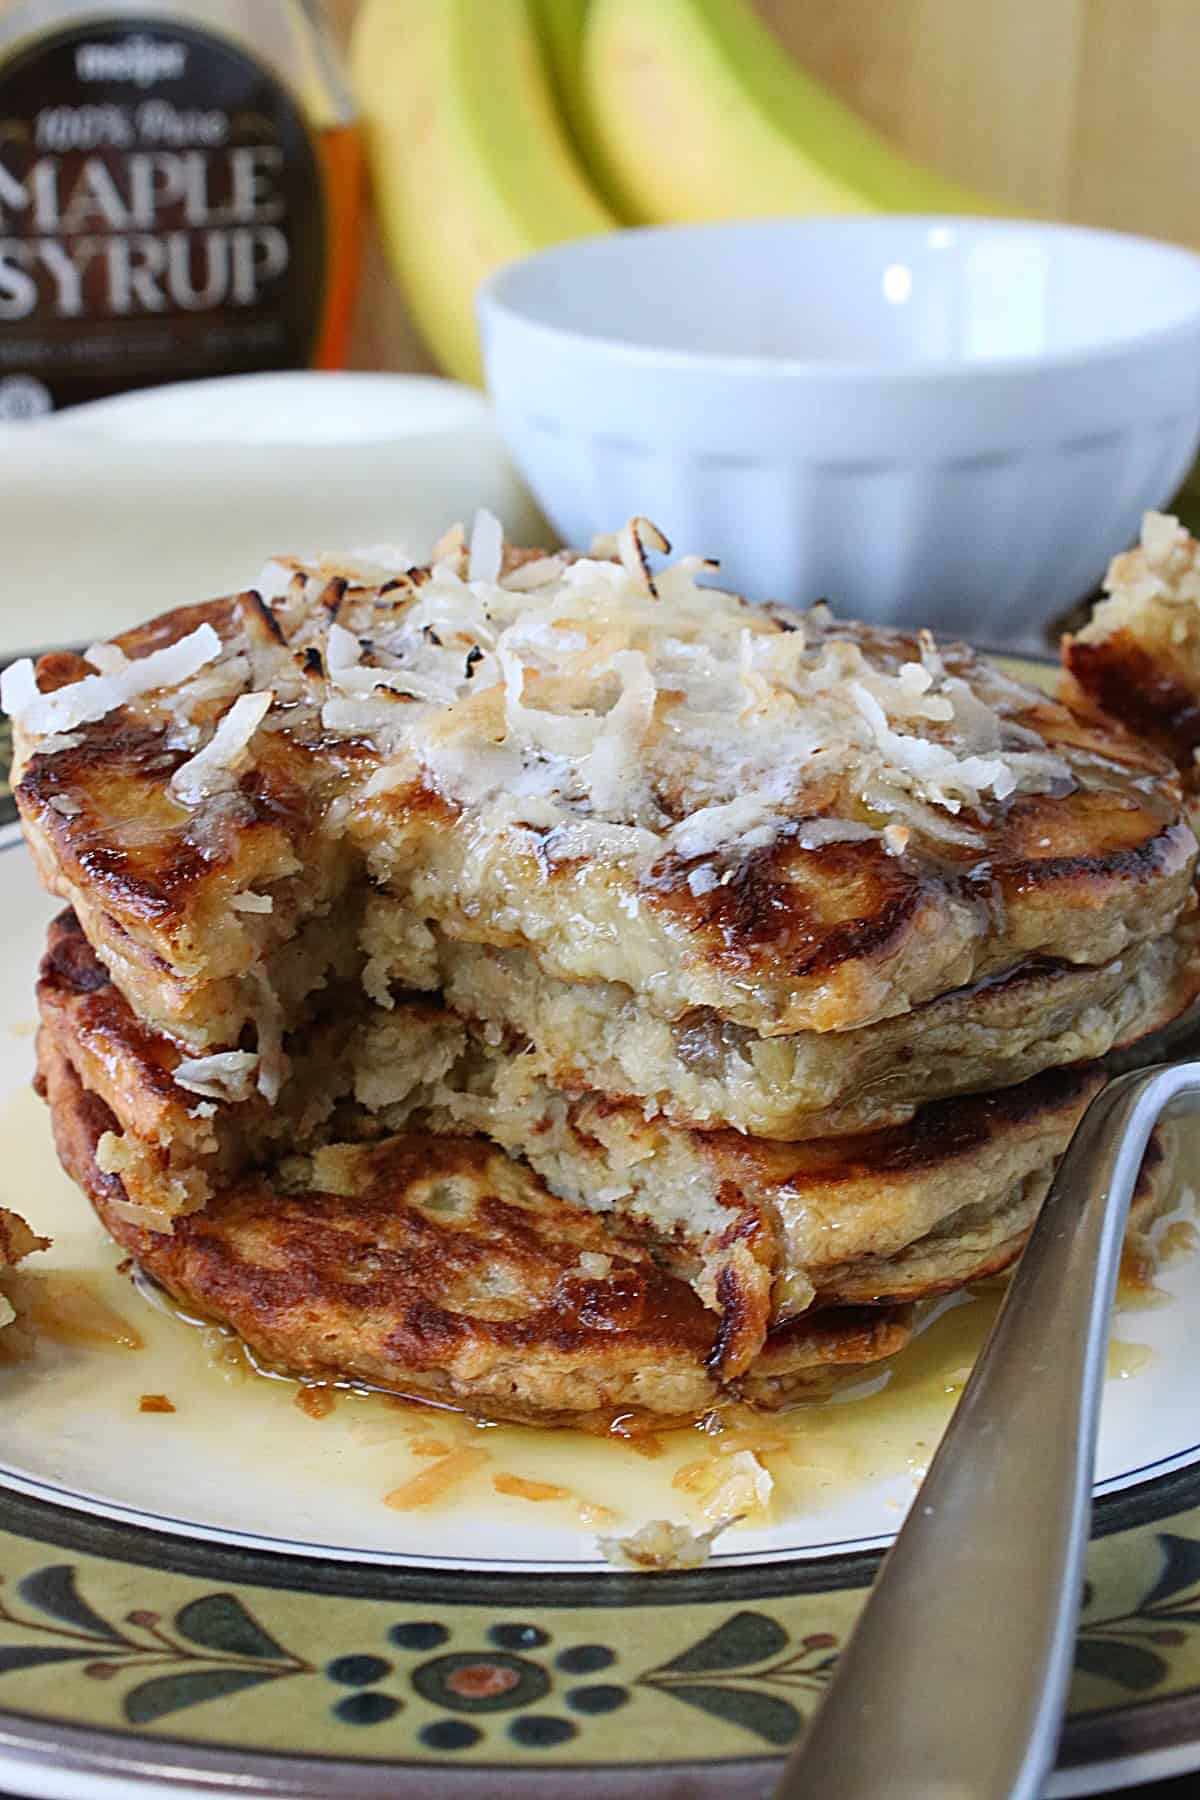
{"x":470,"y":163}
{"x":560,"y":26}
{"x":691,"y":109}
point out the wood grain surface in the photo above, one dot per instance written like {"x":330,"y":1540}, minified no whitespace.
{"x":1082,"y":109}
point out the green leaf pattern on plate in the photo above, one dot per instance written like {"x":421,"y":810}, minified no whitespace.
{"x":216,"y":1647}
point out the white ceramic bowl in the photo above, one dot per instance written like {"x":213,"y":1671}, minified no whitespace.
{"x":952,"y":422}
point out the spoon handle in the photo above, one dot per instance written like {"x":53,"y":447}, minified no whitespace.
{"x":954,"y":1682}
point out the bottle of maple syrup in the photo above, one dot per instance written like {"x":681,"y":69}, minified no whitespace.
{"x":180,"y":191}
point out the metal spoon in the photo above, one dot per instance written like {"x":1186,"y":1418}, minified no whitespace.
{"x":954,"y":1682}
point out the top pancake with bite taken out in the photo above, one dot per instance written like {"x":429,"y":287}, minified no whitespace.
{"x":794,"y":823}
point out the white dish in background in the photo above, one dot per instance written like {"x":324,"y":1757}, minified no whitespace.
{"x":948,"y":422}
{"x":118,"y":510}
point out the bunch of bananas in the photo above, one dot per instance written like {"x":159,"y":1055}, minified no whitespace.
{"x":495,"y":127}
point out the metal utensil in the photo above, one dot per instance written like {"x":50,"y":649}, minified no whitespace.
{"x":954,"y":1682}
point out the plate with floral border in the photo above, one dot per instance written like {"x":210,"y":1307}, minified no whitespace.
{"x":169,"y":1625}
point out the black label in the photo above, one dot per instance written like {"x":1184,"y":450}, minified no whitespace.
{"x":161,"y":215}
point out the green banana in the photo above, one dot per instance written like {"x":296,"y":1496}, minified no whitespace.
{"x":691,"y":109}
{"x":471,"y":165}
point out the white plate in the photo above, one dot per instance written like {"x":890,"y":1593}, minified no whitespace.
{"x":242,"y":1489}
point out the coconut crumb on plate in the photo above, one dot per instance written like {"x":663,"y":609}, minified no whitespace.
{"x":16,"y":1243}
{"x":661,"y":1545}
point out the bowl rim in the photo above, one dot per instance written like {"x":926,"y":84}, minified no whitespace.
{"x":494,"y":302}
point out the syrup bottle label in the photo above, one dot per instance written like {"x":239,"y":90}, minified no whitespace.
{"x":162,"y":215}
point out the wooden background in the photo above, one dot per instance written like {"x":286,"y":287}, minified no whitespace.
{"x":1084,"y":109}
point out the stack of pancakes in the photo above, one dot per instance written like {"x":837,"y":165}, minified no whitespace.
{"x":555,"y":987}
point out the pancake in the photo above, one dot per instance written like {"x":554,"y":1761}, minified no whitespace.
{"x":702,"y":1071}
{"x":16,"y":1243}
{"x":1138,"y":657}
{"x":793,"y":824}
{"x":440,"y":1269}
{"x":763,"y":1231}
{"x":917,"y":1208}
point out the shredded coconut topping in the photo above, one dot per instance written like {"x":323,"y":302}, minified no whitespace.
{"x":1165,"y":567}
{"x":599,"y":708}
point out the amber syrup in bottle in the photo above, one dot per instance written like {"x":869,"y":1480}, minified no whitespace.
{"x":180,"y":195}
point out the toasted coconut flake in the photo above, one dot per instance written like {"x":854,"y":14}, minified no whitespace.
{"x":539,"y":573}
{"x":273,"y":1062}
{"x":250,"y":902}
{"x":714,"y":828}
{"x":274,"y":579}
{"x":18,"y":688}
{"x":487,"y":548}
{"x":109,"y":659}
{"x":931,"y":656}
{"x":146,"y":1218}
{"x":743,"y":1486}
{"x":50,"y":746}
{"x":814,"y":834}
{"x":562,"y":734}
{"x":374,"y":716}
{"x":384,"y":559}
{"x":593,"y":1265}
{"x":213,"y":769}
{"x":226,"y":1075}
{"x":661,"y":1545}
{"x":632,"y":541}
{"x":16,"y":1243}
{"x":1162,"y":534}
{"x":946,"y":778}
{"x":432,"y":1483}
{"x":348,"y":672}
{"x":574,"y":839}
{"x":84,"y":701}
{"x":451,"y":549}
{"x":520,"y":1487}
